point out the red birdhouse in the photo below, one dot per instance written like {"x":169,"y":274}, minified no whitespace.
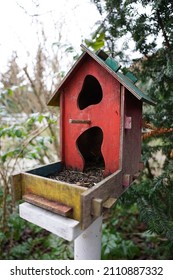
{"x":100,"y":121}
{"x":101,"y":116}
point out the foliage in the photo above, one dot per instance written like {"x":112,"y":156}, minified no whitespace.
{"x":114,"y":246}
{"x":125,"y":236}
{"x":31,"y":242}
{"x":21,"y":138}
{"x":154,"y":201}
{"x":97,"y":39}
{"x":143,"y":29}
{"x":27,"y":132}
{"x":28,"y":137}
{"x":143,"y":22}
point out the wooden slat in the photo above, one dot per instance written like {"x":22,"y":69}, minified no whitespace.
{"x":43,"y":171}
{"x":132,"y":137}
{"x":16,"y":187}
{"x":64,"y":227}
{"x":109,"y":187}
{"x":96,"y":207}
{"x":52,"y":206}
{"x":79,"y":121}
{"x":122,"y":91}
{"x":61,"y":192}
{"x":109,"y":202}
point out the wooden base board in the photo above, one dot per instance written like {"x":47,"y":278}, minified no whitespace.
{"x":64,"y":227}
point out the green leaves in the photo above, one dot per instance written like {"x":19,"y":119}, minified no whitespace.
{"x":23,"y":139}
{"x":115,"y":247}
{"x":97,"y":40}
{"x":12,"y":131}
{"x":32,"y":242}
{"x":10,"y":154}
{"x":149,"y":26}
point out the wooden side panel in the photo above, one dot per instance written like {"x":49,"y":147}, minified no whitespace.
{"x":16,"y":187}
{"x":132,"y":136}
{"x":122,"y":127}
{"x":54,"y":191}
{"x":109,"y":187}
{"x":44,"y":171}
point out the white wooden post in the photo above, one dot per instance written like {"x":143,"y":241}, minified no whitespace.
{"x":87,"y":243}
{"x":63,"y":227}
{"x":87,"y":246}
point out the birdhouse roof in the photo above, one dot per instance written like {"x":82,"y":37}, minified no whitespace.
{"x":111,"y":65}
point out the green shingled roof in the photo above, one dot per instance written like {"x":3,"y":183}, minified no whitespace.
{"x":127,"y":80}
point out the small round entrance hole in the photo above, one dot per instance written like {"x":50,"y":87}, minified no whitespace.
{"x":89,"y":144}
{"x":91,"y":92}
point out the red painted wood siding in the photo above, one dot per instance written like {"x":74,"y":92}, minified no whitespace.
{"x":105,"y":115}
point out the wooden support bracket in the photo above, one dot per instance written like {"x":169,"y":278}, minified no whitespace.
{"x":98,"y":205}
{"x":111,"y":186}
{"x":96,"y":209}
{"x":109,"y":202}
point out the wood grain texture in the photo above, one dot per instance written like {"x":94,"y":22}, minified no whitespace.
{"x":104,"y":115}
{"x":44,"y":171}
{"x":54,"y":190}
{"x":52,"y":206}
{"x":132,"y":137}
{"x":109,"y":187}
{"x":96,"y":207}
{"x":109,"y":202}
{"x":16,"y":187}
{"x":64,"y":227}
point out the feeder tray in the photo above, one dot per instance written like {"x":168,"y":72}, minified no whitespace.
{"x":69,"y":200}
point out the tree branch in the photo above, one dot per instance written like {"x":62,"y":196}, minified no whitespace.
{"x":34,"y":88}
{"x":160,"y":22}
{"x":26,"y":143}
{"x":156,"y":132}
